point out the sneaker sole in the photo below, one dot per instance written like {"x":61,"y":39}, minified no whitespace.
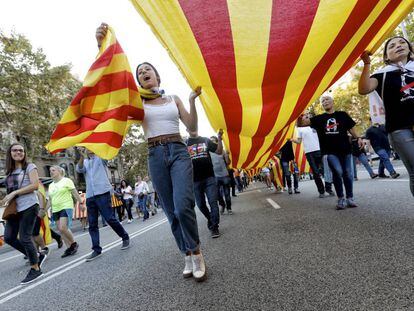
{"x":203,"y":278}
{"x":124,"y":248}
{"x":25,"y":283}
{"x":92,"y":259}
{"x":187,"y":275}
{"x":215,"y":236}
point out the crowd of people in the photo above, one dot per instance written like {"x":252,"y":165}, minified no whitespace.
{"x":198,"y":170}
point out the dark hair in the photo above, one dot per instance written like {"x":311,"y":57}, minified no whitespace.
{"x":10,"y":163}
{"x":153,"y":68}
{"x":126,"y":183}
{"x":387,"y":61}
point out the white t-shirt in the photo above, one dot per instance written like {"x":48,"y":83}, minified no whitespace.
{"x":309,"y":139}
{"x":142,"y":187}
{"x":125,"y":195}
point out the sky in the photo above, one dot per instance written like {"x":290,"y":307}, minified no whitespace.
{"x":65,"y":31}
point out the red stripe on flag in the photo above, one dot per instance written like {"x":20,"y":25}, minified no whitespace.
{"x":216,"y":46}
{"x":91,"y":121}
{"x":106,"y":58}
{"x":359,"y":13}
{"x":282,"y":56}
{"x":110,"y":138}
{"x":108,"y":83}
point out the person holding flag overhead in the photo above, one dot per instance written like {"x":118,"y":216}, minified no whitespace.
{"x":394,"y":84}
{"x":168,"y":160}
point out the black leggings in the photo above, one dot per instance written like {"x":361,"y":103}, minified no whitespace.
{"x":128,"y":206}
{"x":23,"y":226}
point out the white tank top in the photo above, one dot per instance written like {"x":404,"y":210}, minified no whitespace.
{"x":161,"y":119}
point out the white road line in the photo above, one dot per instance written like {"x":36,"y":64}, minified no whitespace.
{"x":273,"y":203}
{"x":259,"y":190}
{"x":388,"y":180}
{"x":54,"y":243}
{"x":12,"y":257}
{"x":20,"y":289}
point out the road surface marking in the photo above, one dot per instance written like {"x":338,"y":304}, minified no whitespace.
{"x":273,"y":203}
{"x":259,"y":190}
{"x":20,"y":289}
{"x":52,"y":244}
{"x":388,"y":179}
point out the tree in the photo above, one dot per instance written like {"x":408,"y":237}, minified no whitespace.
{"x":33,"y":94}
{"x":134,"y":155}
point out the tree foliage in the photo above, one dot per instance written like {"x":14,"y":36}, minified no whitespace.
{"x":33,"y":94}
{"x":134,"y":155}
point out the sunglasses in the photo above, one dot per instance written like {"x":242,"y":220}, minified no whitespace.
{"x":17,"y":150}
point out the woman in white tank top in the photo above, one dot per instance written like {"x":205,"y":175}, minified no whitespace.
{"x":169,"y":162}
{"x":170,"y":165}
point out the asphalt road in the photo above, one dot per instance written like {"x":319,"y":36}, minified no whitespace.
{"x":277,"y":252}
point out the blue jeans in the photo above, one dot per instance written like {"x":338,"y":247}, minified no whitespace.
{"x":364,"y":160}
{"x":403,"y":143}
{"x":142,"y":205}
{"x":385,"y":162}
{"x":223,"y":189}
{"x":203,"y":188}
{"x":101,"y":204}
{"x":327,"y":173}
{"x":171,"y":172}
{"x":287,"y":174}
{"x":341,"y":167}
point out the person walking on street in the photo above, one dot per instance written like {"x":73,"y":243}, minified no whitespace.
{"x":141,"y":192}
{"x":358,"y":153}
{"x":62,"y":192}
{"x":98,"y":200}
{"x":151,"y":196}
{"x":394,"y":86}
{"x":286,"y":157}
{"x":332,"y":128}
{"x":205,"y":185}
{"x":169,"y":162}
{"x":221,"y":173}
{"x":377,"y":136}
{"x":127,"y":198}
{"x":22,"y":180}
{"x":116,"y":202}
{"x":309,"y":137}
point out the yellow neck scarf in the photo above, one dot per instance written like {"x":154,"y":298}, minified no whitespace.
{"x":150,"y":94}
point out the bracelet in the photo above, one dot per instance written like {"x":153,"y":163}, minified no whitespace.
{"x":367,"y":63}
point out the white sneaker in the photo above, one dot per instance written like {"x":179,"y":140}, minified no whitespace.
{"x":199,"y":267}
{"x":129,"y":221}
{"x":188,"y":269}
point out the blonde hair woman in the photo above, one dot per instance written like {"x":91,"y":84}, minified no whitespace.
{"x":62,"y":191}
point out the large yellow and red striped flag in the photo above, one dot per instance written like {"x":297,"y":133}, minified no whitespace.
{"x":260,"y":63}
{"x":100,"y":114}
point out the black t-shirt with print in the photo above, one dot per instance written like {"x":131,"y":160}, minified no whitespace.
{"x":398,"y":98}
{"x":199,"y":148}
{"x":332,"y":132}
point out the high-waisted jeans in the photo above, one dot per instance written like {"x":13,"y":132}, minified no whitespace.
{"x":403,"y":143}
{"x":171,"y":172}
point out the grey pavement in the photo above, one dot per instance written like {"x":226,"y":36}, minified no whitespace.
{"x":303,"y":256}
